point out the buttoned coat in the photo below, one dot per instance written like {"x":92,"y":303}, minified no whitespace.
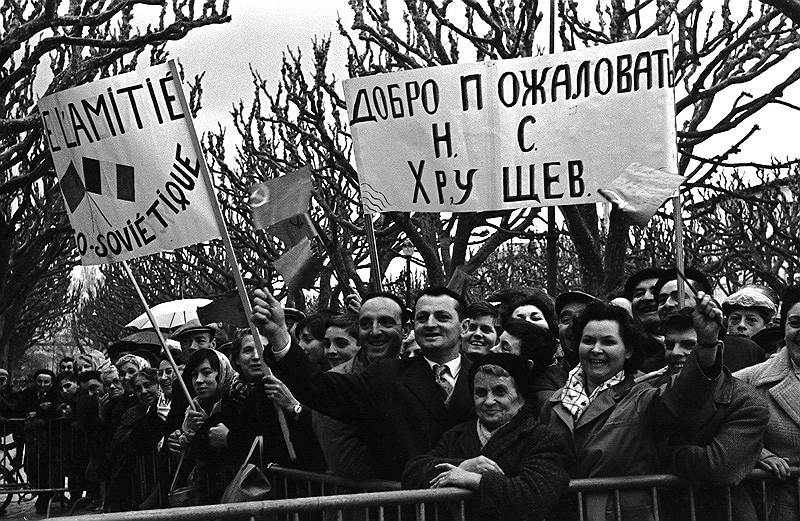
{"x":396,"y":402}
{"x":720,"y":448}
{"x":619,"y":434}
{"x":775,"y":379}
{"x":530,"y":455}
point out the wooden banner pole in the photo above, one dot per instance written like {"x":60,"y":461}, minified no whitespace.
{"x":161,"y":340}
{"x":551,"y":241}
{"x":375,"y":265}
{"x":230,"y":253}
{"x":679,"y":260}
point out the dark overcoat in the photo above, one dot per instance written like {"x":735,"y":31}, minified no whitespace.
{"x":396,"y":402}
{"x":720,"y":448}
{"x":530,"y":455}
{"x":619,"y":434}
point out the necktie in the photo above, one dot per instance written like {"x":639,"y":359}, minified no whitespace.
{"x":440,"y":370}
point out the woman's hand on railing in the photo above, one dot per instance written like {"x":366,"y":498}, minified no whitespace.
{"x":777,"y":465}
{"x":480,"y":465}
{"x":452,"y":476}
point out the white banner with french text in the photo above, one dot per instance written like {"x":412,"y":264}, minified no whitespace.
{"x":545,"y":131}
{"x":127,"y":166}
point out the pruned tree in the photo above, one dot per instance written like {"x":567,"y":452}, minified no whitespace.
{"x":47,"y":46}
{"x":716,"y":55}
{"x":748,"y":229}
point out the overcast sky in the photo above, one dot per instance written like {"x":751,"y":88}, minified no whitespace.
{"x":260,"y":31}
{"x":258,"y":34}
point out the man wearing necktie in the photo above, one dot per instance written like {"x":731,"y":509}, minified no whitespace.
{"x":404,"y":405}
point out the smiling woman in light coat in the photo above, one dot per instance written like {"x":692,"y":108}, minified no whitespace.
{"x":612,"y":426}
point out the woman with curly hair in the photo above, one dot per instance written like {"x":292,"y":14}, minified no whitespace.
{"x":613,"y":426}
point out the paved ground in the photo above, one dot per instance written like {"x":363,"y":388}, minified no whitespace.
{"x":26,"y":511}
{"x":22,"y":511}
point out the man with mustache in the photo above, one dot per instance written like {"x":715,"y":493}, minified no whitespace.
{"x":639,"y":289}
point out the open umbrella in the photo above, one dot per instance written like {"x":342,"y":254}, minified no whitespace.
{"x":171,"y":314}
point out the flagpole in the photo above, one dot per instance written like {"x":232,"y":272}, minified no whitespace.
{"x":375,"y":269}
{"x":679,"y":261}
{"x":161,"y":340}
{"x":231,"y":254}
{"x":551,"y":241}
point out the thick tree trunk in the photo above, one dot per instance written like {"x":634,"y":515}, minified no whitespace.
{"x":586,"y":239}
{"x":615,"y":250}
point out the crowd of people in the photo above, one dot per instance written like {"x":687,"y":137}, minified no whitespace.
{"x":510,"y":397}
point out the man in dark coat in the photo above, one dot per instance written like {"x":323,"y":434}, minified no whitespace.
{"x":722,"y":446}
{"x":379,"y":337}
{"x":404,"y":404}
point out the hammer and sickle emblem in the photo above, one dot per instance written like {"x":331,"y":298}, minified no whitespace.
{"x":259,"y":196}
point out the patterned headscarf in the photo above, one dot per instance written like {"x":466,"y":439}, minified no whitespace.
{"x":226,"y":376}
{"x":139,"y":362}
{"x":96,"y":358}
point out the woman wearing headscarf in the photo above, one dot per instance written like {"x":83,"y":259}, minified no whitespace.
{"x":257,"y":413}
{"x":611,"y":426}
{"x":134,"y":446}
{"x":778,"y":381}
{"x":203,"y":434}
{"x":514,"y":463}
{"x":129,"y":366}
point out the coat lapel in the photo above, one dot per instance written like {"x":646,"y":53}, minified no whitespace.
{"x":784,"y":392}
{"x":774,"y":369}
{"x":603,"y":402}
{"x":460,"y":403}
{"x":418,"y":379}
{"x":560,"y":411}
{"x":785,"y":395}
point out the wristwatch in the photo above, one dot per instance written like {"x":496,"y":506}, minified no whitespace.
{"x":297,"y":409}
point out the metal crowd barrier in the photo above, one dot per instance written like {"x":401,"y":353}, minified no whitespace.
{"x":292,"y":483}
{"x":314,"y":496}
{"x":12,"y":475}
{"x":685,"y":496}
{"x":387,"y":505}
{"x":47,"y":460}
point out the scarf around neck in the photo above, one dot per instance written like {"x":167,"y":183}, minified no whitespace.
{"x":575,"y":398}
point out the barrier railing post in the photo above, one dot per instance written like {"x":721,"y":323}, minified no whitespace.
{"x":729,"y":503}
{"x":654,"y":497}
